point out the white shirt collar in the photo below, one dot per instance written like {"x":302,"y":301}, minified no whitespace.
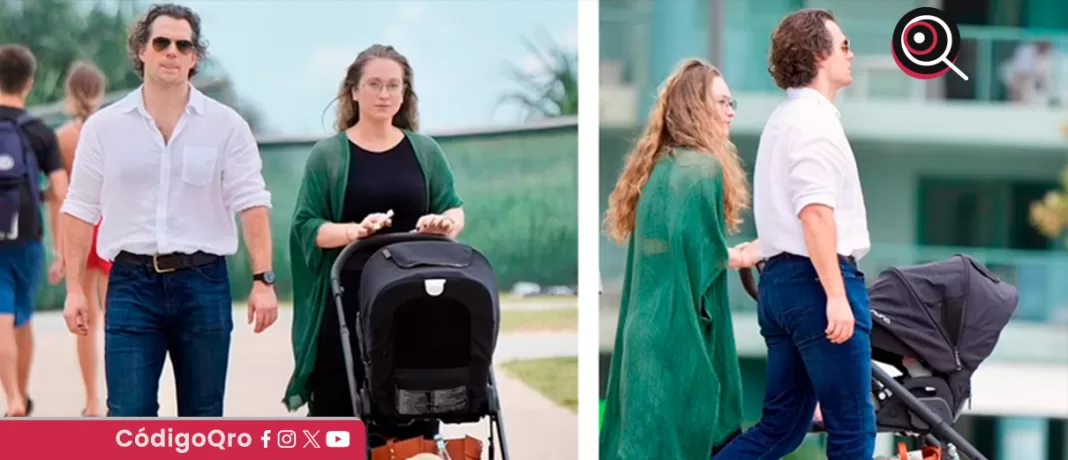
{"x":135,"y":101}
{"x":809,"y":93}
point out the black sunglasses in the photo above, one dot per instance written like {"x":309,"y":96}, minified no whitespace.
{"x":162,"y":43}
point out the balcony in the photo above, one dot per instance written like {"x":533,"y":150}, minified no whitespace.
{"x":1039,"y":276}
{"x":986,"y":56}
{"x":624,"y":62}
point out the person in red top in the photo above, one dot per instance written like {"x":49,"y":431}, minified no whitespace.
{"x":85,"y":88}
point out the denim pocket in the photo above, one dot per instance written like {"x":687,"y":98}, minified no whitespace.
{"x":859,"y":303}
{"x":214,"y":272}
{"x":123,"y":272}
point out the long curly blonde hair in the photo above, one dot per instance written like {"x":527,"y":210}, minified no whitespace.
{"x":685,"y":116}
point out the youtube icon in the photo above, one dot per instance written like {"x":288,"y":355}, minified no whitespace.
{"x":337,"y":439}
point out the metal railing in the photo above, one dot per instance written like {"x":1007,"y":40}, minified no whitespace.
{"x":1039,"y":276}
{"x":985,"y":54}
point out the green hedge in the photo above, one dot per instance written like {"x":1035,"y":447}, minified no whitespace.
{"x":519,"y":184}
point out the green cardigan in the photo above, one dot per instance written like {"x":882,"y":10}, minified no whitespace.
{"x":674,"y":385}
{"x":321,"y":200}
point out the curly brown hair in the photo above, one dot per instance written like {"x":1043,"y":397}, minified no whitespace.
{"x":141,"y":29}
{"x":797,"y":45}
{"x":684,"y":117}
{"x":348,"y":110}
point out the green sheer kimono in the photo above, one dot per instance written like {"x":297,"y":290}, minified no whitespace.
{"x":674,"y":387}
{"x":321,"y":199}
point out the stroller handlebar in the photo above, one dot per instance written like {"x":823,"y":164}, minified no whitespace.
{"x":376,"y":242}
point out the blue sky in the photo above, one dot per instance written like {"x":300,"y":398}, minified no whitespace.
{"x":288,"y":57}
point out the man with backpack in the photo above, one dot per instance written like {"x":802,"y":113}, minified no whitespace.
{"x":28,"y":148}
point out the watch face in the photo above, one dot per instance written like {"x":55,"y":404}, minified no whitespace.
{"x":268,"y":277}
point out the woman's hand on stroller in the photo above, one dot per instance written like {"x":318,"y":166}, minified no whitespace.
{"x":354,"y":232}
{"x":435,"y":223}
{"x":375,"y":222}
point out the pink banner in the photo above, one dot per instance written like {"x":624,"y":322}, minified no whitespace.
{"x":189,"y":438}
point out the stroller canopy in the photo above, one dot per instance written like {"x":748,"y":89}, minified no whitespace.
{"x":950,"y":313}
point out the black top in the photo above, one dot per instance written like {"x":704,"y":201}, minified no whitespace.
{"x":44,"y":143}
{"x":380,"y":181}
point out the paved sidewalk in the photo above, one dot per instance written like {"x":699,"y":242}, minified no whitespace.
{"x":260,"y":368}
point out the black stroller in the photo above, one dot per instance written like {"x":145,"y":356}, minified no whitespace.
{"x":947,"y":315}
{"x":426,"y":327}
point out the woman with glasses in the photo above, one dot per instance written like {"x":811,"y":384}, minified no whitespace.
{"x":674,"y":385}
{"x":377,"y":163}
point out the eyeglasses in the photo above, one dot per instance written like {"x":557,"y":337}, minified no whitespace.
{"x":376,"y":87}
{"x":728,"y":102}
{"x":160,"y":44}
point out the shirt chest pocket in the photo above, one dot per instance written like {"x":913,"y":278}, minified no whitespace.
{"x":198,"y":165}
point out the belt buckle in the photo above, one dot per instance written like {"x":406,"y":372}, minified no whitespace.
{"x":155,"y":265}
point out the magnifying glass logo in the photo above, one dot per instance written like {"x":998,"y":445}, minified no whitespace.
{"x":925,"y":44}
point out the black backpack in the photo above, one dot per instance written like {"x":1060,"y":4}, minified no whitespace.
{"x":19,"y":174}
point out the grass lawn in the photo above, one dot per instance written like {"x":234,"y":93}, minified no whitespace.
{"x":507,"y":297}
{"x":557,"y":319}
{"x":554,"y":378}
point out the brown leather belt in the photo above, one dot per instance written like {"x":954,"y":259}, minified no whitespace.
{"x":786,"y":255}
{"x":166,"y":263}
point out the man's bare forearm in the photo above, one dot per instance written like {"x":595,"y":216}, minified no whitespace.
{"x":78,"y":237}
{"x":56,"y":226}
{"x":821,"y":239}
{"x":58,"y":184}
{"x":257,"y":229}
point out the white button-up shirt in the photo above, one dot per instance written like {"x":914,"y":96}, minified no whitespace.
{"x":805,"y":158}
{"x":157,"y":197}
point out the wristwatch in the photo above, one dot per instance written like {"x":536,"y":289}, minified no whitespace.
{"x":266,"y":277}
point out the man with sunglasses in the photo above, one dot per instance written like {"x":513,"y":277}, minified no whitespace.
{"x":811,"y":222}
{"x":169,"y":167}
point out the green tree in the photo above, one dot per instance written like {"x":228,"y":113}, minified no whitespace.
{"x":552,"y":89}
{"x":62,"y":31}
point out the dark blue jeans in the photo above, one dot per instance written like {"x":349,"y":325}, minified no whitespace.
{"x":804,"y":367}
{"x":186,"y":313}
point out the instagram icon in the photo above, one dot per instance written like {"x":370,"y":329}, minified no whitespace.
{"x":287,"y":439}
